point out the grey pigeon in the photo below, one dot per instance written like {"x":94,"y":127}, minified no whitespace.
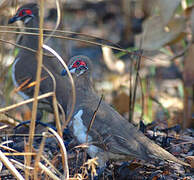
{"x":25,"y":65}
{"x":111,"y":137}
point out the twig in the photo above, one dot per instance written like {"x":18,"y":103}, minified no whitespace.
{"x":71,"y":80}
{"x":55,"y":107}
{"x":4,"y":118}
{"x":10,"y":166}
{"x":130,"y":92}
{"x":181,"y":53}
{"x":64,"y":32}
{"x":135,"y":85}
{"x":40,"y":151}
{"x":20,"y":154}
{"x":37,"y":87}
{"x":8,"y":108}
{"x":23,"y":47}
{"x":57,"y":23}
{"x":91,"y":123}
{"x":94,"y":115}
{"x":55,"y":103}
{"x":61,"y":144}
{"x":20,"y":165}
{"x":80,"y":40}
{"x":19,"y":135}
{"x":142,"y":97}
{"x":48,"y":171}
{"x":47,"y":161}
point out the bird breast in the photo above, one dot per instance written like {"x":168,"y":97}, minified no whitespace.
{"x":80,"y":132}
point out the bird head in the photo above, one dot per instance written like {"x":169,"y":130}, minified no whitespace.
{"x":25,"y":13}
{"x":78,"y":65}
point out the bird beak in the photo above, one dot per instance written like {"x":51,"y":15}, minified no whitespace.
{"x":63,"y":72}
{"x":17,"y":18}
{"x":71,"y":70}
{"x":13,"y":19}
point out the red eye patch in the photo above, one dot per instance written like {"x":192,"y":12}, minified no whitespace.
{"x":28,"y":11}
{"x":78,"y":63}
{"x":25,"y":12}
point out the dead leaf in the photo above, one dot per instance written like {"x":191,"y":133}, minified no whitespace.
{"x":121,"y":103}
{"x":155,"y":35}
{"x":111,"y":61}
{"x":191,"y":160}
{"x":188,"y":72}
{"x":92,"y":164}
{"x":192,"y":24}
{"x":166,"y":10}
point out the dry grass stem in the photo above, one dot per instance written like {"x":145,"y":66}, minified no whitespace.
{"x":55,"y":106}
{"x":91,"y":123}
{"x":71,"y":80}
{"x":48,"y":171}
{"x":40,"y":151}
{"x":20,"y":135}
{"x":80,"y":40}
{"x":8,"y":108}
{"x":10,"y":166}
{"x":37,"y":87}
{"x":58,"y":21}
{"x":58,"y":31}
{"x":56,"y":113}
{"x":138,"y":63}
{"x":62,"y":32}
{"x":62,"y":146}
{"x":58,"y":124}
{"x":23,"y":47}
{"x":20,"y":165}
{"x":62,"y":111}
{"x":51,"y":165}
{"x":7,"y":148}
{"x":20,"y":154}
{"x":94,"y":115}
{"x":3,"y":127}
{"x":55,"y":103}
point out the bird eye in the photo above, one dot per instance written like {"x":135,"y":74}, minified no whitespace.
{"x":28,"y":11}
{"x":25,"y":12}
{"x":78,"y":63}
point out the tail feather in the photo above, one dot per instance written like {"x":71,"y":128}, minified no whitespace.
{"x":157,"y":151}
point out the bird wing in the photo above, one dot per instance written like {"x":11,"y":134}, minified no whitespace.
{"x":111,"y":131}
{"x":24,"y":77}
{"x":114,"y":134}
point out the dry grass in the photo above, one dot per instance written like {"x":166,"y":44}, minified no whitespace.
{"x":34,"y":170}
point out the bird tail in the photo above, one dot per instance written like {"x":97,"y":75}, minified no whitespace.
{"x":157,"y":151}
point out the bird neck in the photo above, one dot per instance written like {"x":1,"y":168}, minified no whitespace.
{"x":83,"y":87}
{"x":31,"y":41}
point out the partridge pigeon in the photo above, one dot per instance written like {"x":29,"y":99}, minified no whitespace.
{"x":111,"y":137}
{"x":25,"y":65}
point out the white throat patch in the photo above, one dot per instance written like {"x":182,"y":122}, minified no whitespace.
{"x":80,"y":131}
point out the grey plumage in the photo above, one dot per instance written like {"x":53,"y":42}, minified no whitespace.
{"x":25,"y":65}
{"x":112,"y":136}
